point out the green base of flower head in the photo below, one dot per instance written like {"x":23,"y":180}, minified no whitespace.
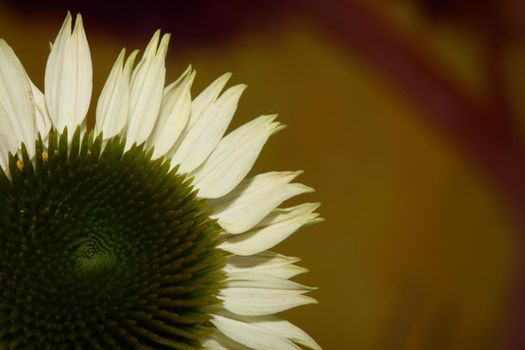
{"x":102,"y":248}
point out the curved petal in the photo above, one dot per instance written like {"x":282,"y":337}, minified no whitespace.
{"x":43,"y":120}
{"x":254,"y":198}
{"x":254,"y":294}
{"x":234,"y":157}
{"x":68,"y":80}
{"x":206,"y":97}
{"x":17,"y":110}
{"x":113,"y":103}
{"x":251,"y":279}
{"x":173,"y":116}
{"x":266,"y":262}
{"x":218,"y":341}
{"x":280,"y":328}
{"x":267,"y":237}
{"x":147,"y":84}
{"x":251,"y":336}
{"x":204,"y":136}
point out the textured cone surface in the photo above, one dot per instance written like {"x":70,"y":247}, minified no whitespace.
{"x":102,"y":248}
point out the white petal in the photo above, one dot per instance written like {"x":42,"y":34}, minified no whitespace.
{"x":283,"y":214}
{"x":174,"y":114}
{"x":43,"y":120}
{"x":207,"y":97}
{"x":113,"y":104}
{"x":251,"y":336}
{"x":234,"y":157}
{"x":218,"y":341}
{"x":266,"y":237}
{"x":267,"y":262}
{"x":254,"y":198}
{"x":204,"y":136}
{"x":199,"y":104}
{"x":68,"y":80}
{"x":257,"y":280}
{"x":17,"y":111}
{"x":288,"y":330}
{"x":147,"y":83}
{"x":260,"y":294}
{"x":280,"y":328}
{"x":251,"y":301}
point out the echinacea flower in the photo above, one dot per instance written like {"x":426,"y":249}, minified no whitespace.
{"x":143,"y":232}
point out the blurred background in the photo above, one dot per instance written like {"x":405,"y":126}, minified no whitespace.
{"x":408,"y":117}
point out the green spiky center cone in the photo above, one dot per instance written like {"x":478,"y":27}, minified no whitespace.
{"x":103,"y":248}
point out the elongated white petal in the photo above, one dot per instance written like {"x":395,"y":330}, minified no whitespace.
{"x":280,"y":328}
{"x":43,"y":120}
{"x":266,"y":262}
{"x":17,"y":110}
{"x":286,"y":329}
{"x":201,"y":103}
{"x":204,"y":136}
{"x":214,"y":344}
{"x":68,"y":80}
{"x":255,"y":301}
{"x":273,"y":229}
{"x":218,"y":341}
{"x":257,"y":280}
{"x":147,"y":84}
{"x":267,"y":237}
{"x":206,"y":97}
{"x":283,"y":214}
{"x":249,"y":293}
{"x":251,"y":336}
{"x":113,"y":104}
{"x":254,"y":198}
{"x":234,"y":157}
{"x":173,"y":116}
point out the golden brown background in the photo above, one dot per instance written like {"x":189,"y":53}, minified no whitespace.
{"x":408,"y":117}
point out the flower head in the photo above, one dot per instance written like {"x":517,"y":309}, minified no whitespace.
{"x":143,"y":232}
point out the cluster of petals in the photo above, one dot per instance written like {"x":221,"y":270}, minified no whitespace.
{"x":135,"y":102}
